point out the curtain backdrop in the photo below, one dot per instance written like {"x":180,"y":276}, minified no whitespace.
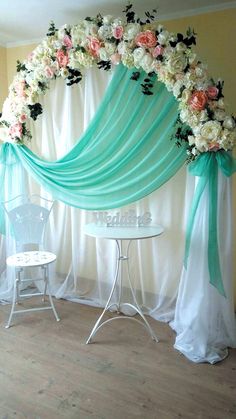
{"x":85,"y":266}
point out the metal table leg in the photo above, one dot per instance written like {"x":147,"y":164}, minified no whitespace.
{"x":118,"y":282}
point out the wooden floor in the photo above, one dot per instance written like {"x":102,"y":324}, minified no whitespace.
{"x":47,"y":371}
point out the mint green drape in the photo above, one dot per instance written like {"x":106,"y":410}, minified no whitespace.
{"x":124,"y":155}
{"x":206,"y":167}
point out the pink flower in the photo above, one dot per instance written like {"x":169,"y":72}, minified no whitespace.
{"x":23,"y":117}
{"x":115,"y":58}
{"x":62,"y":58}
{"x":49,"y":72}
{"x":67,"y":42}
{"x":94,"y":46}
{"x":158,"y":50}
{"x":214,"y":146}
{"x":198,"y":100}
{"x":146,"y":39}
{"x":118,"y":32}
{"x":16,"y":130}
{"x":20,"y":88}
{"x":212,"y":92}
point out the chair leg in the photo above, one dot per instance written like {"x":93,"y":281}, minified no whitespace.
{"x":46,"y":275}
{"x":45,"y":283}
{"x":14,"y":299}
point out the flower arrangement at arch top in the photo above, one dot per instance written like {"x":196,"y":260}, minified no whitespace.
{"x":106,"y":41}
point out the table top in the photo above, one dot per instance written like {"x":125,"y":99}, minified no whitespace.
{"x":123,"y":232}
{"x":30,"y":259}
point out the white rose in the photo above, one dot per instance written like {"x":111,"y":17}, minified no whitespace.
{"x":103,"y":54}
{"x":201,"y":143}
{"x":138,"y":55}
{"x":176,"y":63}
{"x":186,"y":94}
{"x":4,"y":134}
{"x":221,"y":103}
{"x":118,"y":22}
{"x":123,"y":48}
{"x":131,"y":30}
{"x":128,"y":60}
{"x":163,"y":37}
{"x":184,"y":115}
{"x":180,"y":47}
{"x":110,"y":47}
{"x":211,"y":130}
{"x":229,"y":123}
{"x":146,"y":62}
{"x":219,"y":114}
{"x":177,"y":87}
{"x":192,"y":56}
{"x":105,"y":32}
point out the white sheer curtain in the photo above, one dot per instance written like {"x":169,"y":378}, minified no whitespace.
{"x":85,"y":266}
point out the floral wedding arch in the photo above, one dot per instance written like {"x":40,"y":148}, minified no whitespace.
{"x":202,"y":130}
{"x":106,"y":41}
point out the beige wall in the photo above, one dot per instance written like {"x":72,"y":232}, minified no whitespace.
{"x":3,"y":76}
{"x":14,"y":54}
{"x":216,"y":46}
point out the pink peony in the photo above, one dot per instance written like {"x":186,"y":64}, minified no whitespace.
{"x":146,"y":39}
{"x":118,"y":32}
{"x":212,"y":92}
{"x":94,"y":46}
{"x":67,"y":42}
{"x":62,"y":58}
{"x":16,"y":130}
{"x":158,"y":50}
{"x":115,"y":58}
{"x":198,"y":100}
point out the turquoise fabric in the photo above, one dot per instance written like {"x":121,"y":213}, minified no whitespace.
{"x":206,"y":167}
{"x":124,"y":155}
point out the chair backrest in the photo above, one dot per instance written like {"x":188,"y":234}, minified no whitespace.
{"x":28,"y":219}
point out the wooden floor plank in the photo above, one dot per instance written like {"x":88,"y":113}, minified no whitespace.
{"x":48,"y":372}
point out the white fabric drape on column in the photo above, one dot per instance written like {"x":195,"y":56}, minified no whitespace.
{"x":85,"y":267}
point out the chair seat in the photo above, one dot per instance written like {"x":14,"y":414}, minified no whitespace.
{"x":31,"y":259}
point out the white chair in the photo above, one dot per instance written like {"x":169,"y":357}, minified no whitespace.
{"x":28,"y":216}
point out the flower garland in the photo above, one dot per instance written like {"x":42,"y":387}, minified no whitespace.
{"x":105,"y":41}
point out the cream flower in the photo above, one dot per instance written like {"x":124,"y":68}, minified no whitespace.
{"x":211,"y":130}
{"x":229,"y":123}
{"x":176,"y":62}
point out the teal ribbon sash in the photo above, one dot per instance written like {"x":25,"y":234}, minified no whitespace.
{"x":206,"y":168}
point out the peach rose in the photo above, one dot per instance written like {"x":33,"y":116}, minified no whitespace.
{"x":62,"y":58}
{"x":118,"y":32}
{"x":212,"y":92}
{"x":214,"y":146}
{"x":146,"y":39}
{"x":198,"y":100}
{"x":94,"y":46}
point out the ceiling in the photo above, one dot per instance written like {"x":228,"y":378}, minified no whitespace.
{"x":28,"y":22}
